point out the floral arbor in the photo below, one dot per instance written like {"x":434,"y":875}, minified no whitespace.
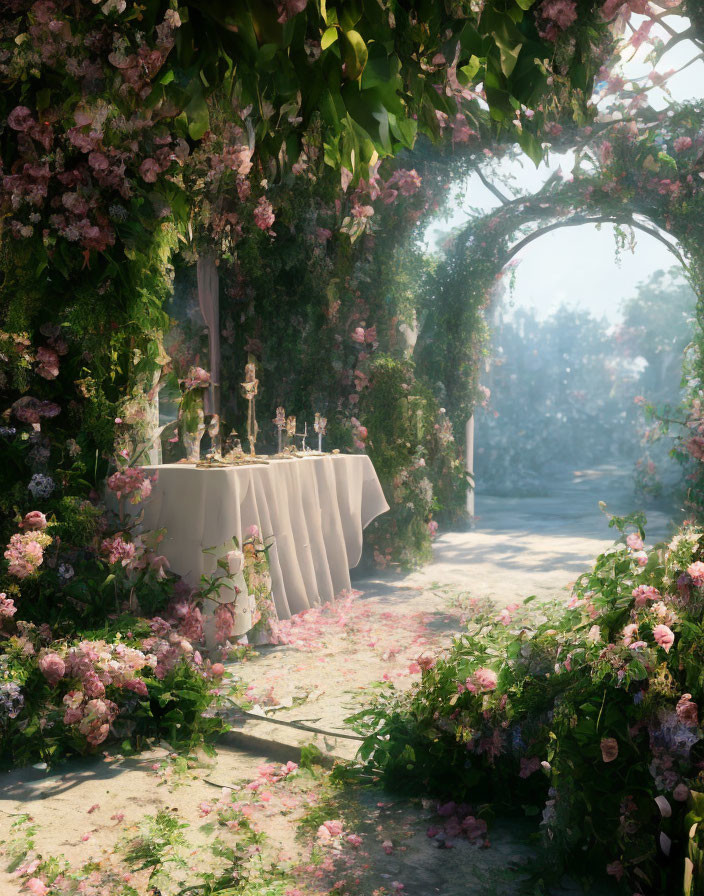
{"x":288,"y":151}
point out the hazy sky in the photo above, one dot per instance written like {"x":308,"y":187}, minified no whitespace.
{"x":577,"y":266}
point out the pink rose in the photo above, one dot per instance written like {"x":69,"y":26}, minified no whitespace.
{"x":687,"y":710}
{"x":664,"y":637}
{"x":34,"y":520}
{"x":52,"y":667}
{"x":634,"y":542}
{"x":485,"y":678}
{"x":609,"y":749}
{"x":644,"y":593}
{"x":217,"y":669}
{"x":696,"y":573}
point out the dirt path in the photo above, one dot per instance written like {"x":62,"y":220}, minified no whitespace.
{"x":334,"y":657}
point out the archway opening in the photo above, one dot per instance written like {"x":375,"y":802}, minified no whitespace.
{"x":582,"y":378}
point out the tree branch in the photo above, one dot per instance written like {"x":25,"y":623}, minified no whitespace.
{"x":504,"y":200}
{"x":579,"y":220}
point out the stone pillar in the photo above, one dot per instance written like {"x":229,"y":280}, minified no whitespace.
{"x":469,"y":463}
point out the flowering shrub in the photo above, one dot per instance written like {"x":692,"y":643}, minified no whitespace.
{"x":587,"y":713}
{"x":58,"y":697}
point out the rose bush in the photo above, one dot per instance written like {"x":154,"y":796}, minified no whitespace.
{"x":587,"y":715}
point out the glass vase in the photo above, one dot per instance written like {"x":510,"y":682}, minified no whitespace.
{"x":192,"y":424}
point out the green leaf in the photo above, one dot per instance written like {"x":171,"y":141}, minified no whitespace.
{"x":355,"y":54}
{"x":197,"y":115}
{"x":350,"y":14}
{"x":531,"y":146}
{"x":328,"y":38}
{"x":471,"y":69}
{"x":525,"y":4}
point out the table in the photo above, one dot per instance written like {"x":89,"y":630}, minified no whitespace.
{"x":310,"y":510}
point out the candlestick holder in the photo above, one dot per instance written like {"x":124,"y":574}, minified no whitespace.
{"x":320,"y":426}
{"x":280,"y":423}
{"x":250,"y":387}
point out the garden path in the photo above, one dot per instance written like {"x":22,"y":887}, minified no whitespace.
{"x":520,"y":546}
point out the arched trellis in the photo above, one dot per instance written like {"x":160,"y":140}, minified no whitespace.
{"x":628,"y":189}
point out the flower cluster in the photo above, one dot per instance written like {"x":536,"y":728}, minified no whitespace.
{"x":131,"y":483}
{"x":25,"y":552}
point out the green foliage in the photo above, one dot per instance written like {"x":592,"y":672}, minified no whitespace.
{"x":413,"y":452}
{"x":585,"y":713}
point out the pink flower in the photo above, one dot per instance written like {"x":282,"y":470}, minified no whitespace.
{"x":197,"y":378}
{"x":47,"y":363}
{"x":680,"y":793}
{"x":253,"y":531}
{"x":149,"y":169}
{"x":664,"y":637}
{"x":682,"y":144}
{"x":354,"y":840}
{"x":432,"y":528}
{"x":609,"y":749}
{"x":486,"y":679}
{"x":388,"y":847}
{"x":52,"y":667}
{"x":7,"y":606}
{"x":20,"y":119}
{"x":615,"y":869}
{"x":557,"y":15}
{"x":117,"y":549}
{"x":644,"y":593}
{"x":329,"y":829}
{"x":130,"y":482}
{"x":224,"y":623}
{"x":358,"y":335}
{"x":634,"y":542}
{"x":408,"y":181}
{"x":34,"y":520}
{"x":629,"y":633}
{"x":137,"y":686}
{"x":264,"y":214}
{"x":217,"y":669}
{"x":637,"y":645}
{"x":25,"y":553}
{"x":696,"y":572}
{"x":36,"y":887}
{"x":687,"y":710}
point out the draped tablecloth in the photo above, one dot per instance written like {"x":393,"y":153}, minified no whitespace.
{"x":311,"y":512}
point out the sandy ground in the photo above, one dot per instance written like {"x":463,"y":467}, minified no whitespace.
{"x":518,"y":547}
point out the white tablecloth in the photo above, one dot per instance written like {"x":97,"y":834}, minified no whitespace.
{"x":311,"y":511}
